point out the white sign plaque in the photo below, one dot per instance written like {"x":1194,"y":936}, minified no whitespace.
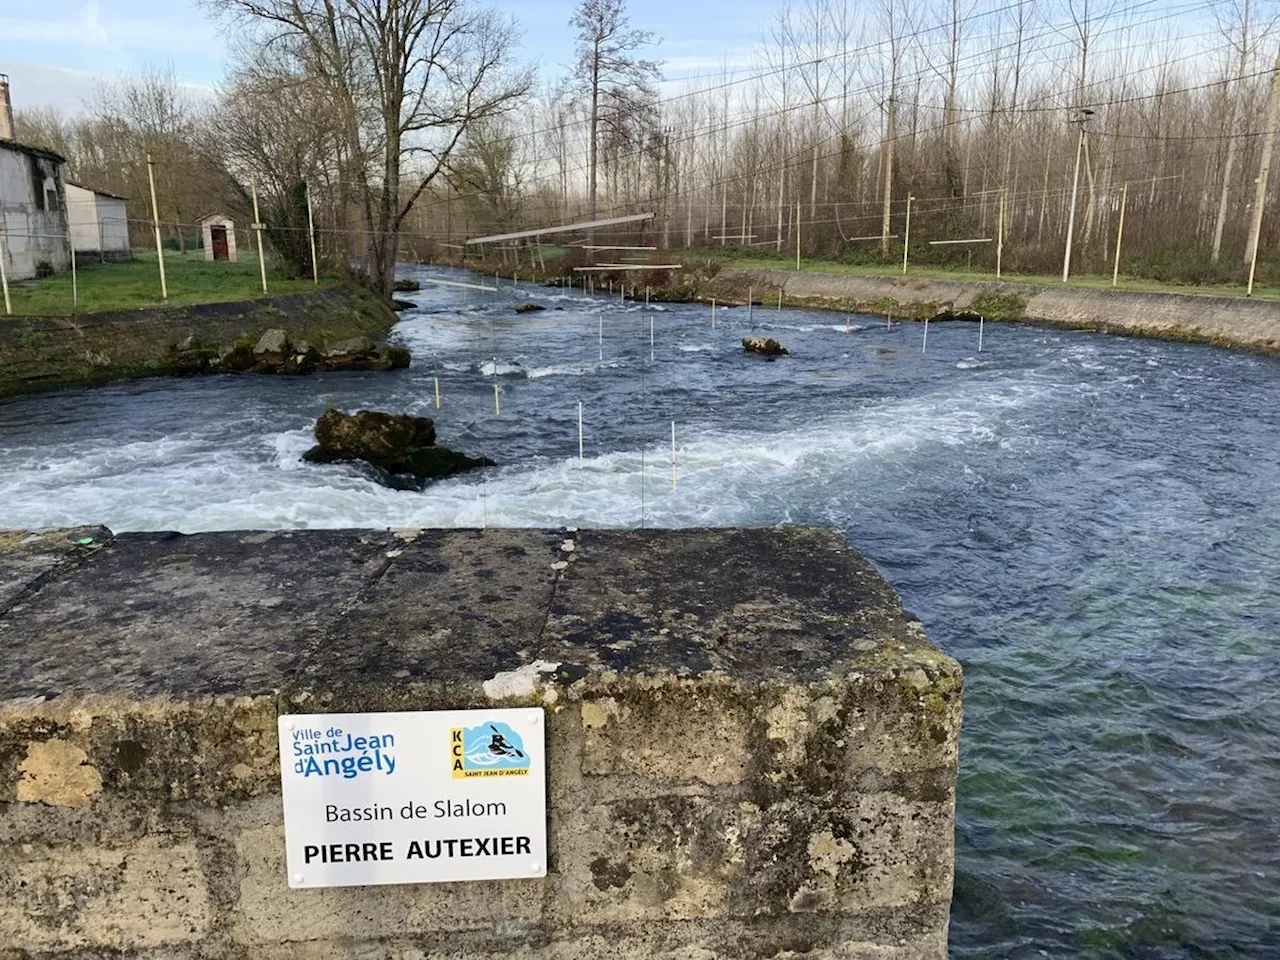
{"x":421,"y":797}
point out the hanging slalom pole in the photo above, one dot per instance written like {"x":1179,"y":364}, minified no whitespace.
{"x":981,"y":321}
{"x":673,"y":454}
{"x":600,"y":336}
{"x":847,"y":318}
{"x":888,"y":324}
{"x":436,"y":378}
{"x":497,"y":407}
{"x":924,"y":344}
{"x":581,"y":462}
{"x":713,"y":313}
{"x":651,"y":338}
{"x":646,"y":294}
{"x":750,"y":306}
{"x":779,"y":299}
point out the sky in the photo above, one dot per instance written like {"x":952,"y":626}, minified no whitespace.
{"x":56,"y":52}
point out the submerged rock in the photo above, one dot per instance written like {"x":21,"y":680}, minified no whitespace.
{"x":407,"y":285}
{"x":766,"y":346}
{"x":401,"y":448}
{"x":529,"y":307}
{"x":399,"y":305}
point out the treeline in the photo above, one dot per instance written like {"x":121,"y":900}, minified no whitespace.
{"x":410,"y":125}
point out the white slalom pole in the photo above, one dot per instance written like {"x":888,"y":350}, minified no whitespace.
{"x":924,"y":344}
{"x":497,"y":407}
{"x":581,"y":462}
{"x":601,"y":336}
{"x":981,"y":321}
{"x":673,"y":454}
{"x":646,"y":294}
{"x":651,"y":338}
{"x":713,"y":313}
{"x":779,"y":299}
{"x":750,"y":306}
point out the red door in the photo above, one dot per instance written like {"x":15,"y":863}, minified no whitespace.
{"x":218,"y":237}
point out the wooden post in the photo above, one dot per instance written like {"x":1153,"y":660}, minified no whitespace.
{"x":155,"y":219}
{"x":257,"y":229}
{"x":1124,"y":201}
{"x":311,"y":234}
{"x":906,"y":235}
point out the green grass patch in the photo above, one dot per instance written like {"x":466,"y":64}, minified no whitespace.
{"x":1137,"y":285}
{"x":136,"y":283}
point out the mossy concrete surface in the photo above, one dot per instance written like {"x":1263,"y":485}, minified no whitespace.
{"x":1224,"y":321}
{"x":42,"y":353}
{"x":751,"y":746}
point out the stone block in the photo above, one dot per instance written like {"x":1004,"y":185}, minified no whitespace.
{"x":149,"y":893}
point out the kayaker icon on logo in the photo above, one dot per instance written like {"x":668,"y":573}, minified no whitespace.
{"x":490,"y":750}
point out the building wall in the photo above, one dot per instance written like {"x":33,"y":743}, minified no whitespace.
{"x":98,"y":224}
{"x":114,"y":226}
{"x":34,"y":229}
{"x":82,"y":218}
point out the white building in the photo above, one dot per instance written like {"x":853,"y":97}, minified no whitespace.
{"x":33,"y":224}
{"x":99,"y":224}
{"x":218,"y":233}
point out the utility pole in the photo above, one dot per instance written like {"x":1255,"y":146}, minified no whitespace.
{"x":311,"y":233}
{"x":155,"y":219}
{"x":906,"y":235}
{"x":1081,"y":118}
{"x":1264,"y":171}
{"x":257,"y":229}
{"x":1124,"y":202}
{"x":1000,"y":235}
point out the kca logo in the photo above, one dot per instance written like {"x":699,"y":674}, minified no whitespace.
{"x":489,"y":750}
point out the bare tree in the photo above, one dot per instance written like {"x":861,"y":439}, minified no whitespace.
{"x":618,"y":84}
{"x":405,"y":80}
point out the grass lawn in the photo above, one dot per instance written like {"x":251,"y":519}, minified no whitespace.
{"x":136,"y":283}
{"x":944,"y":273}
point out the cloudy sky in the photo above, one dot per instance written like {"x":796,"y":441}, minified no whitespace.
{"x":55,"y":51}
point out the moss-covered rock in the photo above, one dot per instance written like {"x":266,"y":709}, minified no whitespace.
{"x":400,"y":447}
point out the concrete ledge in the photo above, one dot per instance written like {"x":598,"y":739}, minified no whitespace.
{"x":752,"y":748}
{"x":1223,"y":321}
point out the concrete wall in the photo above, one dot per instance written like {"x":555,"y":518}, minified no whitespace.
{"x":41,"y":353}
{"x":1229,"y":321}
{"x":754,"y":761}
{"x":34,"y":227}
{"x":99,"y":225}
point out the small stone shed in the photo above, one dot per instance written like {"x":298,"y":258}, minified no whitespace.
{"x":218,"y":234}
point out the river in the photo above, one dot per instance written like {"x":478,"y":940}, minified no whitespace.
{"x":1090,"y":524}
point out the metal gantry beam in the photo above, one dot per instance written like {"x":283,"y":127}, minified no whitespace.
{"x":629,"y":266}
{"x":567,"y":228}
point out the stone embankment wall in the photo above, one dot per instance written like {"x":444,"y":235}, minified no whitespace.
{"x":1226,"y":321}
{"x":751,"y":747}
{"x":40,"y":353}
